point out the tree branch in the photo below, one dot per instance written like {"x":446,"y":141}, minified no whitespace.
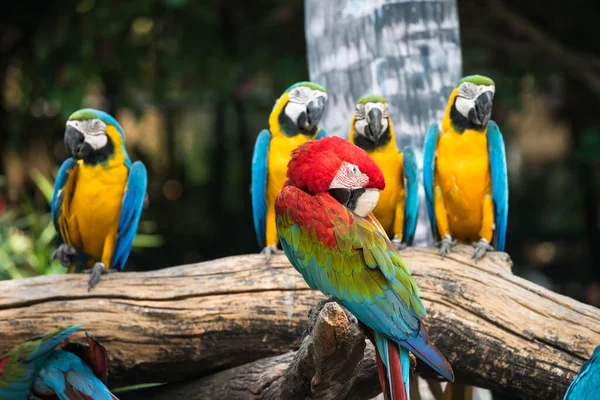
{"x":328,"y":366}
{"x":183,"y":323}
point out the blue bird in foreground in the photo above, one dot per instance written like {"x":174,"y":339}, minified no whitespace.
{"x":36,"y":370}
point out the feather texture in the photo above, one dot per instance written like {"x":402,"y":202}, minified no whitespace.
{"x":260,"y":166}
{"x":499,"y":173}
{"x":586,"y":385}
{"x":429,"y":147}
{"x":351,"y":259}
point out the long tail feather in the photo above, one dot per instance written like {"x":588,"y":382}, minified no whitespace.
{"x":390,"y":369}
{"x":423,"y":349}
{"x":405,"y":362}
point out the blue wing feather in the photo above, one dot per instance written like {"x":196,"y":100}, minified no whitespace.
{"x":131,"y":211}
{"x":429,"y":149}
{"x":498,"y":170}
{"x":586,"y":384}
{"x":260,"y":165}
{"x":67,"y":376}
{"x":411,"y":187}
{"x":58,"y":195}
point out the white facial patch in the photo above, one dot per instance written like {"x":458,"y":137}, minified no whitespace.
{"x":299,"y":98}
{"x":467,"y":94}
{"x":366,"y":202}
{"x":93,"y":130}
{"x":350,"y":177}
{"x":362,"y":111}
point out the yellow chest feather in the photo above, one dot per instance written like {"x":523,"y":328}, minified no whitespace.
{"x":389,"y":161}
{"x":92,"y":206}
{"x":463,"y":174}
{"x":280,"y":151}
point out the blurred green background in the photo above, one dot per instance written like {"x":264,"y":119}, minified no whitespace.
{"x":192,"y":84}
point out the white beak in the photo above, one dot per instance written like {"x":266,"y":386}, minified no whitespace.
{"x":366,"y":202}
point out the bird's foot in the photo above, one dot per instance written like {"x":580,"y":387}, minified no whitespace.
{"x":65,"y":254}
{"x":481,"y":247}
{"x":269,"y":251}
{"x":446,"y":245}
{"x":398,"y":243}
{"x":413,"y":361}
{"x":96,"y":272}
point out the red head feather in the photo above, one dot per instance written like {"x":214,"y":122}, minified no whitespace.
{"x":315,"y":164}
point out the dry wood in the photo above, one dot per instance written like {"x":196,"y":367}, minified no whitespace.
{"x":498,"y":331}
{"x":331,"y":364}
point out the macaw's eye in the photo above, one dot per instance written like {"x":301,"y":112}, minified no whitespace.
{"x":354,"y":169}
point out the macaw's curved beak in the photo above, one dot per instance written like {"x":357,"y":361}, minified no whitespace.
{"x":314,"y":111}
{"x":75,"y":143}
{"x":374,"y":126}
{"x":482,"y":112}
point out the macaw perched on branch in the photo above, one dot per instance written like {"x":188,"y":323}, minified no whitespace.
{"x":292,"y":122}
{"x":464,"y":171}
{"x":329,"y":234}
{"x":586,"y":385}
{"x":398,"y":206}
{"x":98,"y":196}
{"x":36,"y":370}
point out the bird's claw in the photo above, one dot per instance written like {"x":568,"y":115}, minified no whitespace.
{"x":446,"y":245}
{"x":481,"y":247}
{"x":95,"y":273}
{"x":65,"y":253}
{"x":269,"y":251}
{"x":398,"y":244}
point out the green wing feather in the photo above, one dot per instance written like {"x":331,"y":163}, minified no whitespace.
{"x":351,"y":259}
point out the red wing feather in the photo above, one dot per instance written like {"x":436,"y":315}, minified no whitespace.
{"x":98,"y":358}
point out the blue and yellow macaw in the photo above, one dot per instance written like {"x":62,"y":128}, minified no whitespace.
{"x":464,"y":171}
{"x":98,"y":196}
{"x":398,"y":206}
{"x":292,"y":122}
{"x":586,"y":385}
{"x":36,"y":370}
{"x":330,"y":235}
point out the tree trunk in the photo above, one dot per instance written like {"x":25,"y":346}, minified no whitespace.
{"x":407,"y":51}
{"x":498,"y":331}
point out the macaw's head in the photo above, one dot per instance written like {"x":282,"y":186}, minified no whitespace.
{"x":335,"y":165}
{"x":371,"y":127}
{"x":93,"y":135}
{"x":299,"y":109}
{"x":473,"y":99}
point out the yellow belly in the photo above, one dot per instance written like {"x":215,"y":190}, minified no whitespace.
{"x":463,"y":174}
{"x":388,"y":160}
{"x":280,"y":151}
{"x":95,"y":208}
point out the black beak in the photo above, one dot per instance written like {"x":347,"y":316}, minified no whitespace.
{"x":483,"y":109}
{"x":314,"y":111}
{"x":75,"y":143}
{"x":373,"y":128}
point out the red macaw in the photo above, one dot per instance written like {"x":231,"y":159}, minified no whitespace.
{"x":328,"y":232}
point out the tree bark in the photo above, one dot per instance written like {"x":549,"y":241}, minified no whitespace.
{"x":331,"y":364}
{"x":498,"y":331}
{"x":407,"y":51}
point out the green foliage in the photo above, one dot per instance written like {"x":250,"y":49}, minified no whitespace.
{"x":27,"y":237}
{"x":26,"y":240}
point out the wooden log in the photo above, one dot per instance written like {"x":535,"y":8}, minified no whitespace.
{"x":331,"y":364}
{"x":498,"y":331}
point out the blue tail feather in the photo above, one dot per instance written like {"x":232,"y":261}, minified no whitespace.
{"x":423,"y":349}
